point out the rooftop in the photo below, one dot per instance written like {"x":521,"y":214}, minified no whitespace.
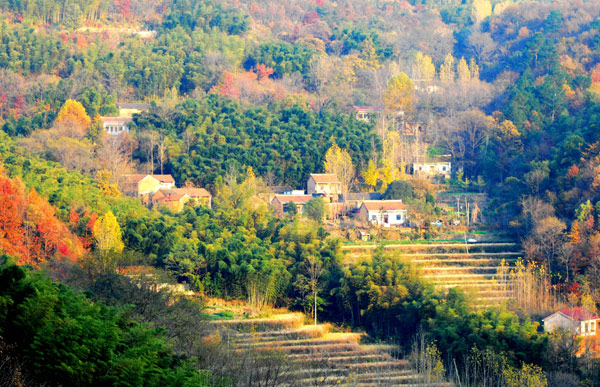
{"x":579,"y":314}
{"x":284,"y":199}
{"x":136,"y":178}
{"x":325,"y":178}
{"x":383,"y":205}
{"x":359,"y":108}
{"x":116,"y":119}
{"x":133,"y":106}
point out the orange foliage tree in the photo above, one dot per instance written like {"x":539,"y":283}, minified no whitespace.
{"x":73,"y":111}
{"x":29,"y":229}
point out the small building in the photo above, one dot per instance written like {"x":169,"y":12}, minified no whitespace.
{"x":579,"y":321}
{"x":327,"y":184}
{"x":384,"y":213}
{"x":280,"y":203}
{"x":353,"y":200}
{"x":129,"y":109}
{"x":115,"y":125}
{"x":364,"y":113}
{"x":196,"y":196}
{"x":431,"y":169}
{"x":171,"y":199}
{"x":281,"y":189}
{"x":140,"y":184}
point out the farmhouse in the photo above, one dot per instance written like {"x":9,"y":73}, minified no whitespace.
{"x":363,"y":113}
{"x":354,"y":200}
{"x":129,"y":109}
{"x":176,"y":198}
{"x":115,"y":125}
{"x":581,"y":322}
{"x":383,"y":212}
{"x":140,"y":184}
{"x":431,"y":169}
{"x":280,"y":202}
{"x":324,"y":183}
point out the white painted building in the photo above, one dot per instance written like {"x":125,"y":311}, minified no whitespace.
{"x":577,"y":320}
{"x":384,"y":213}
{"x":438,"y":168}
{"x":116,"y":125}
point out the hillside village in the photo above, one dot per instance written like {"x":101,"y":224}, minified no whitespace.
{"x":290,"y":193}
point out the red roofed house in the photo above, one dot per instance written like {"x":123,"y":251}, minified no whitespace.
{"x":140,"y":185}
{"x":170,"y":199}
{"x":579,"y":321}
{"x":383,"y":212}
{"x":115,"y":125}
{"x":324,"y":183}
{"x":280,"y":202}
{"x":197,"y":196}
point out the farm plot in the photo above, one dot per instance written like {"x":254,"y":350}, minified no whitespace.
{"x":481,"y":269}
{"x":322,"y":357}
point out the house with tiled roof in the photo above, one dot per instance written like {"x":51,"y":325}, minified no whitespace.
{"x":129,"y":109}
{"x":196,"y":196}
{"x":364,"y":113}
{"x":384,"y":213}
{"x":280,"y":203}
{"x":145,"y":184}
{"x":171,"y":199}
{"x":115,"y":125}
{"x":580,"y":322}
{"x":326,"y":184}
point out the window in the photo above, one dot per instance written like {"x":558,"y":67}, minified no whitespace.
{"x":444,"y":169}
{"x":373,"y":217}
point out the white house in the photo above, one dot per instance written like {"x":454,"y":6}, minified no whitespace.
{"x":577,"y":320}
{"x":383,"y":212}
{"x":115,"y":125}
{"x":440,"y":168}
{"x":364,"y":112}
{"x":324,"y":183}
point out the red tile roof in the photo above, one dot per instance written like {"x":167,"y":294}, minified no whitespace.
{"x":195,"y":192}
{"x":302,"y":199}
{"x":325,"y":178}
{"x":116,"y":119}
{"x":579,"y":314}
{"x":136,"y":178}
{"x":367,"y":108}
{"x":383,"y":205}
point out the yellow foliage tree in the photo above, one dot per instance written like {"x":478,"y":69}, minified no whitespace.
{"x":370,"y":59}
{"x":73,"y":111}
{"x":481,"y":10}
{"x":103,"y":178}
{"x":425,"y":67}
{"x":474,"y":69}
{"x":464,"y":73}
{"x":447,"y":69}
{"x":399,"y":94}
{"x":371,"y":174}
{"x":339,"y":162}
{"x":107,"y":234}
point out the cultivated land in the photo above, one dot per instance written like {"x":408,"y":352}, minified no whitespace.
{"x":481,"y":269}
{"x":319,"y":356}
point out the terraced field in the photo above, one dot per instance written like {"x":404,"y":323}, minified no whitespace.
{"x":474,"y":267}
{"x":322,"y":357}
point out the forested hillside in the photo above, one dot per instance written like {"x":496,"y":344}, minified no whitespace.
{"x":247,"y":99}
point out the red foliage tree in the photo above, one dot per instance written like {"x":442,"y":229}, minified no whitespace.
{"x":29,"y":229}
{"x":263,"y":71}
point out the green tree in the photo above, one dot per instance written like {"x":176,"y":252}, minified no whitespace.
{"x":315,"y":209}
